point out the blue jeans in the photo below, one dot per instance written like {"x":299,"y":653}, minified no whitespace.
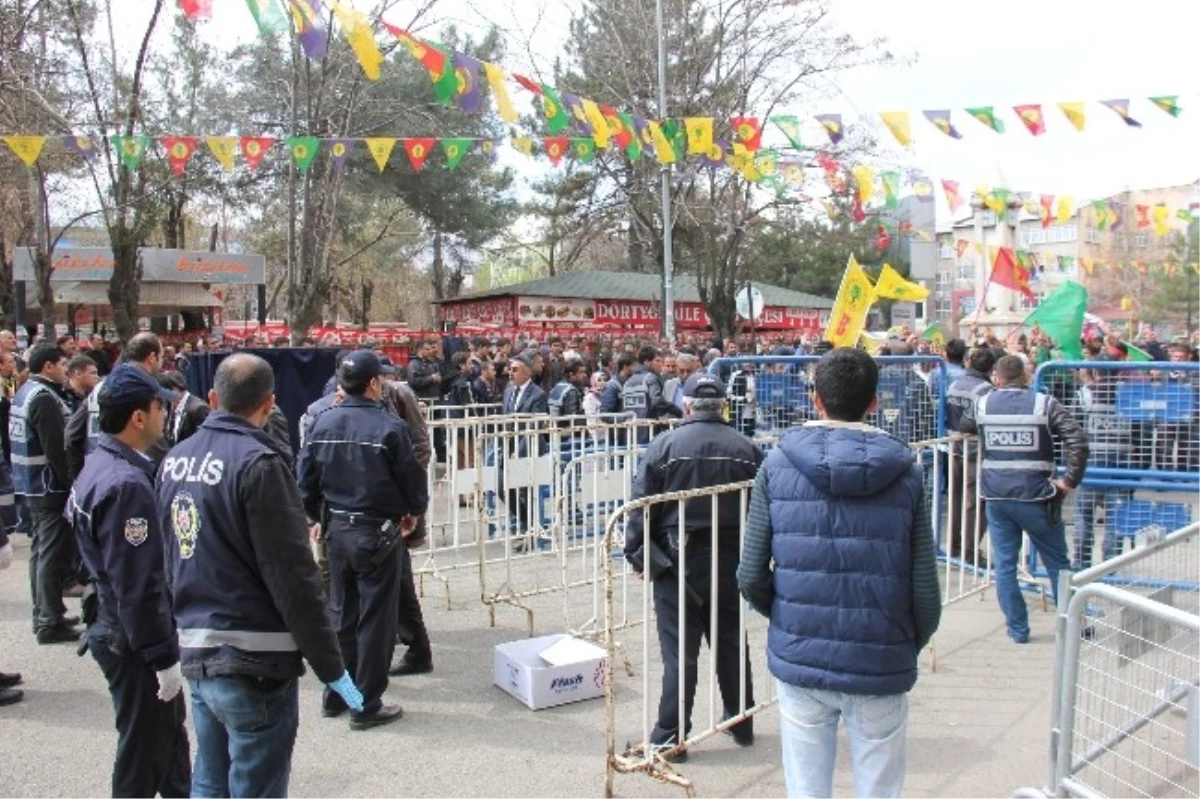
{"x":245,"y":732}
{"x":1087,"y":500}
{"x":877,"y":726}
{"x":1042,"y":522}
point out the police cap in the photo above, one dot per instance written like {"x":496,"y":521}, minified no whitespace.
{"x":360,"y":366}
{"x":702,"y":386}
{"x":128,"y":384}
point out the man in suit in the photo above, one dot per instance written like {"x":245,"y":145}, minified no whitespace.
{"x":522,"y":395}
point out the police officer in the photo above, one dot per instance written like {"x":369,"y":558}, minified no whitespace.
{"x":642,"y":394}
{"x":961,"y":398}
{"x":131,"y":632}
{"x":358,"y":462}
{"x":703,"y":451}
{"x":83,"y":428}
{"x":247,"y":595}
{"x":1017,"y":429}
{"x":566,"y":398}
{"x":37,"y":424}
{"x":610,"y":399}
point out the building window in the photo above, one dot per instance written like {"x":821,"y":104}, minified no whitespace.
{"x":1069,"y":233}
{"x":946,"y":251}
{"x":1092,"y":236}
{"x":1032,"y":236}
{"x":965,"y":272}
{"x":1028,"y":304}
{"x":1141,"y":240}
{"x":944,"y":278}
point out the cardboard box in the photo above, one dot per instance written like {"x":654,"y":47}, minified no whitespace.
{"x":549,"y":671}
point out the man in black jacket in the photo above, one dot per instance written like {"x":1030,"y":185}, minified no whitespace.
{"x":247,"y":596}
{"x":188,"y":413}
{"x":702,"y":452}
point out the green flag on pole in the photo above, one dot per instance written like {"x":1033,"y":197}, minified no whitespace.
{"x":1136,"y":355}
{"x":935,"y":334}
{"x":1061,"y":316}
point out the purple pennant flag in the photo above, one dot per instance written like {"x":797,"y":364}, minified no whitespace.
{"x":574,"y":107}
{"x":1118,"y":210}
{"x":310,"y":27}
{"x":488,"y":148}
{"x":339,"y":151}
{"x":466,"y":74}
{"x":81,"y":145}
{"x":715,"y":158}
{"x":643,"y":134}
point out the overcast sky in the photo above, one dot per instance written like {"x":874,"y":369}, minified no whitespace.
{"x":966,"y":54}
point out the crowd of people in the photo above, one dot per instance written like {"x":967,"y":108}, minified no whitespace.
{"x":274,"y":559}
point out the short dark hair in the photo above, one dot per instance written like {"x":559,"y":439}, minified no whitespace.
{"x":956,"y":348}
{"x":982,"y":359}
{"x":114,"y":419}
{"x":141,"y":347}
{"x":41,"y":355}
{"x":647,"y":354}
{"x":846,"y":380}
{"x":242,"y":383}
{"x":459,"y":358}
{"x":1009,"y":368}
{"x":572,"y":366}
{"x":624,"y":361}
{"x":172,"y":380}
{"x":79,"y":363}
{"x":61,"y":340}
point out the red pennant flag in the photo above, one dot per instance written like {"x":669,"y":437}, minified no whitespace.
{"x":882,"y":239}
{"x":748,"y":132}
{"x":556,"y":148}
{"x":179,"y":151}
{"x":1033,"y":118}
{"x":1047,"y":213}
{"x":953,"y":198}
{"x":254,"y":148}
{"x":960,"y":246}
{"x":1007,"y":272}
{"x":622,"y":135}
{"x":418,"y":150}
{"x":431,"y":58}
{"x":1143,"y":216}
{"x":196,"y":9}
{"x":528,"y":83}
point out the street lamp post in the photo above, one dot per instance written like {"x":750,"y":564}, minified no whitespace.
{"x":665,"y":175}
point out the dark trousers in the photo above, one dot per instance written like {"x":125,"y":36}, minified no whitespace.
{"x":363,"y":601}
{"x":411,"y":622}
{"x":152,"y":741}
{"x":964,"y":495}
{"x":666,"y":612}
{"x":49,"y":564}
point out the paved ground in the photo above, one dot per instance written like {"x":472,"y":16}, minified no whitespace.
{"x":978,"y":725}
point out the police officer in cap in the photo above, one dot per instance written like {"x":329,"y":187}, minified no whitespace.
{"x":702,"y":452}
{"x":248,"y":600}
{"x":131,"y":632}
{"x":1017,"y":429}
{"x":358,"y":463}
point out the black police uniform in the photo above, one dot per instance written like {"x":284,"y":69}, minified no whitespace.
{"x":132,"y":633}
{"x":703,"y":451}
{"x":358,"y":460}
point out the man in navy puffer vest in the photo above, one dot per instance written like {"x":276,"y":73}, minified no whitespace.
{"x":853,"y":595}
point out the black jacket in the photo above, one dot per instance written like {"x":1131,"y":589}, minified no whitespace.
{"x":703,"y":451}
{"x":420,"y":378}
{"x":46,"y":419}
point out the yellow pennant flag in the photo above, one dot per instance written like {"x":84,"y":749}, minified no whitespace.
{"x":1065,"y":210}
{"x":224,"y":149}
{"x":381,"y":150}
{"x":699,"y":135}
{"x":361,"y":38}
{"x":1075,"y":113}
{"x":523,"y":144}
{"x":897,"y":123}
{"x":27,"y":148}
{"x":662,"y":146}
{"x":1161,"y":226}
{"x":849,"y":312}
{"x":891,"y":284}
{"x":495,"y":79}
{"x":744,"y":163}
{"x":864,"y":176}
{"x":595,"y":118}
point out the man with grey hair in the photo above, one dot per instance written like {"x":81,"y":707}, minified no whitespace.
{"x":686,"y":365}
{"x":702,"y":452}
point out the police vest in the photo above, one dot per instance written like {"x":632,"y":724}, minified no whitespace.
{"x":227,"y":620}
{"x":1110,"y":436}
{"x":93,"y":418}
{"x":557,"y":395}
{"x":635,"y":394}
{"x":1018,"y":450}
{"x":32,"y":476}
{"x":616,"y":386}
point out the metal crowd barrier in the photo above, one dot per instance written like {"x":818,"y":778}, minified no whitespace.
{"x":1125,"y":715}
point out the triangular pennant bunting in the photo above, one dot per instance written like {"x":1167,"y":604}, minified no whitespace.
{"x":940,"y":119}
{"x":381,"y":150}
{"x":130,"y":149}
{"x":1033,"y":119}
{"x":224,"y":149}
{"x":1075,"y":114}
{"x":790,"y":127}
{"x":418,"y":150}
{"x":254,"y":148}
{"x":27,"y":148}
{"x":304,"y":150}
{"x":179,"y":151}
{"x":897,"y":123}
{"x":454,"y":150}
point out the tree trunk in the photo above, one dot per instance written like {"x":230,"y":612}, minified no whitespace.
{"x":439,"y":267}
{"x":123,"y":287}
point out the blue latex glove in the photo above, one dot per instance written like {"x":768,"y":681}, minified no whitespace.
{"x":345,"y":688}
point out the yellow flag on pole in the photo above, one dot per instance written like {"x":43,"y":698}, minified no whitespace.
{"x":849,"y":312}
{"x":892,"y":285}
{"x":27,"y":148}
{"x":504,"y":106}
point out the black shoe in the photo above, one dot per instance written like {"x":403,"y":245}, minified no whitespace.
{"x":742,"y":732}
{"x":385,"y":715}
{"x":9,"y":680}
{"x":70,"y":621}
{"x":333,"y":711}
{"x":61,"y":634}
{"x":10,"y":696}
{"x":408,"y":666}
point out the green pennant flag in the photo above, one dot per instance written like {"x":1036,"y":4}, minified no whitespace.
{"x":935,"y":334}
{"x":268,"y":16}
{"x":1101,"y":207}
{"x":1060,"y":315}
{"x":445,"y":86}
{"x":303,"y":150}
{"x":1184,"y":214}
{"x":556,"y":115}
{"x":584,"y":149}
{"x":1136,"y":355}
{"x":130,"y":149}
{"x":676,"y":134}
{"x":634,"y":148}
{"x":1168,"y":103}
{"x":455,"y":149}
{"x":986,"y":114}
{"x":790,"y":126}
{"x":891,"y":188}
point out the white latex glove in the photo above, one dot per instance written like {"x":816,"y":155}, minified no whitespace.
{"x":170,"y":683}
{"x":6,"y":556}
